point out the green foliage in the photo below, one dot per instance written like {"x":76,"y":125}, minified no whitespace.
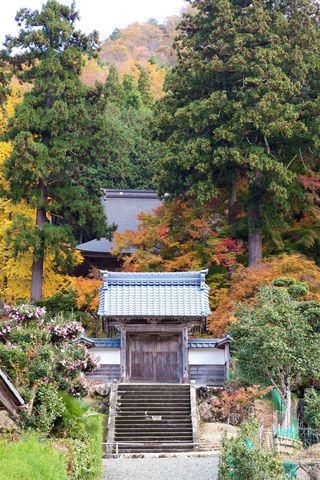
{"x":243,"y":459}
{"x":41,"y":359}
{"x":85,"y":431}
{"x":120,"y":139}
{"x":232,"y":116}
{"x":275,"y":343}
{"x":31,"y":459}
{"x":63,"y":301}
{"x":312,"y":409}
{"x":144,"y":87}
{"x":298,"y":289}
{"x":294,"y":288}
{"x":283,"y":282}
{"x":49,"y":133}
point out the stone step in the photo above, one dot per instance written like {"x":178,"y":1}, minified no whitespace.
{"x":155,"y":437}
{"x":154,"y":449}
{"x":153,"y":405}
{"x":154,"y":398}
{"x":135,"y":429}
{"x":152,"y":390}
{"x":154,"y":428}
{"x":151,"y":426}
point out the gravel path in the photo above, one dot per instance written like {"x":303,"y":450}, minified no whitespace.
{"x":179,"y":468}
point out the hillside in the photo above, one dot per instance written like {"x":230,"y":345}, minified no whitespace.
{"x":149,"y":44}
{"x":141,"y":42}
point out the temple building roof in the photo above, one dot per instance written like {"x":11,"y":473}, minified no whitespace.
{"x":160,"y":294}
{"x":121,"y":208}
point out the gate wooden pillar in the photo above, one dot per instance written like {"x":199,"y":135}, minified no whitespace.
{"x":123,"y":351}
{"x":185,"y":353}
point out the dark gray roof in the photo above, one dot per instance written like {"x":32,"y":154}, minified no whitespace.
{"x":192,"y":343}
{"x":9,"y":396}
{"x":122,"y":207}
{"x":154,"y":294}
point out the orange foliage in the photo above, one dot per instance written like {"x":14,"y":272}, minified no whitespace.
{"x":93,"y":72}
{"x":178,"y":236}
{"x":139,"y":41}
{"x":156,"y":74}
{"x":247,"y":281}
{"x":235,"y":403}
{"x":87,"y":290}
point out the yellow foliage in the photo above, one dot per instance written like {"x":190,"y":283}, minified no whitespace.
{"x":88,"y":292}
{"x":247,"y":281}
{"x":93,"y":72}
{"x":15,"y":277}
{"x":157,"y":74}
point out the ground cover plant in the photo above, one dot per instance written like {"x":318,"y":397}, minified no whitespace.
{"x":242,"y":458}
{"x":39,"y":352}
{"x":31,"y":458}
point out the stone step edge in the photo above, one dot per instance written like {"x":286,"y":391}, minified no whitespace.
{"x":209,"y":453}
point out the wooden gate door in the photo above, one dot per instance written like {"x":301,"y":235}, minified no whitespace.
{"x":154,"y":358}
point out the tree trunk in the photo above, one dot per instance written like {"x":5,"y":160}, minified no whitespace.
{"x":232,"y":199}
{"x":287,"y":403}
{"x":254,"y":227}
{"x":38,"y":255}
{"x":255,"y":247}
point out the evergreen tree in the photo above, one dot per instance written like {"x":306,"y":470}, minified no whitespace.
{"x":241,"y":108}
{"x":46,"y":167}
{"x":120,"y":141}
{"x":132,"y":94}
{"x":113,"y":87}
{"x":144,"y":87}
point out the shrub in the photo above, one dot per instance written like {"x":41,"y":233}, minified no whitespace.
{"x":243,"y":459}
{"x":31,"y":459}
{"x":283,"y":282}
{"x":312,"y":409}
{"x":234,"y":404}
{"x":84,"y":428}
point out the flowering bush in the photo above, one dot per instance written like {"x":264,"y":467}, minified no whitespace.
{"x":26,"y":311}
{"x":40,"y":356}
{"x":63,"y":332}
{"x":4,"y":331}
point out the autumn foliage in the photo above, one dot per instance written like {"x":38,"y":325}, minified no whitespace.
{"x":178,"y":236}
{"x":87,"y":290}
{"x":247,"y":281}
{"x":233,"y":404}
{"x":15,"y":279}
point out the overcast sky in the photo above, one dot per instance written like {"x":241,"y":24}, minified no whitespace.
{"x":101,"y":15}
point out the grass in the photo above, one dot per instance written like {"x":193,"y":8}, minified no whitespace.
{"x":30,"y":459}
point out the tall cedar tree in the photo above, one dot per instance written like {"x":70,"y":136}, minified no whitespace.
{"x":46,"y":167}
{"x":242,"y":108}
{"x":120,"y":137}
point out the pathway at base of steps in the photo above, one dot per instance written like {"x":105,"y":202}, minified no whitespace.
{"x":178,"y":468}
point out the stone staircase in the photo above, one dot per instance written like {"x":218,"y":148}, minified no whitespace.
{"x":153,"y":418}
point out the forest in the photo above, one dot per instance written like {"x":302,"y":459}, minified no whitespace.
{"x":218,"y":110}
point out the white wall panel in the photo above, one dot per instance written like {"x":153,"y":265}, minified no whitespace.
{"x":206,"y":356}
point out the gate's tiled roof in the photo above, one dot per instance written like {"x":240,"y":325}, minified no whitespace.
{"x":163,"y":294}
{"x":192,"y":342}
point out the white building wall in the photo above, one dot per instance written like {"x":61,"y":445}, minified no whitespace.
{"x":106,"y":356}
{"x":206,"y":356}
{"x":197,"y":356}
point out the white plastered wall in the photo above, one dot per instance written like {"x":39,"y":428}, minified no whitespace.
{"x":106,"y":356}
{"x":207,"y":356}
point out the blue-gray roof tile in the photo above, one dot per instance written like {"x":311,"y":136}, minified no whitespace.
{"x":161,"y":294}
